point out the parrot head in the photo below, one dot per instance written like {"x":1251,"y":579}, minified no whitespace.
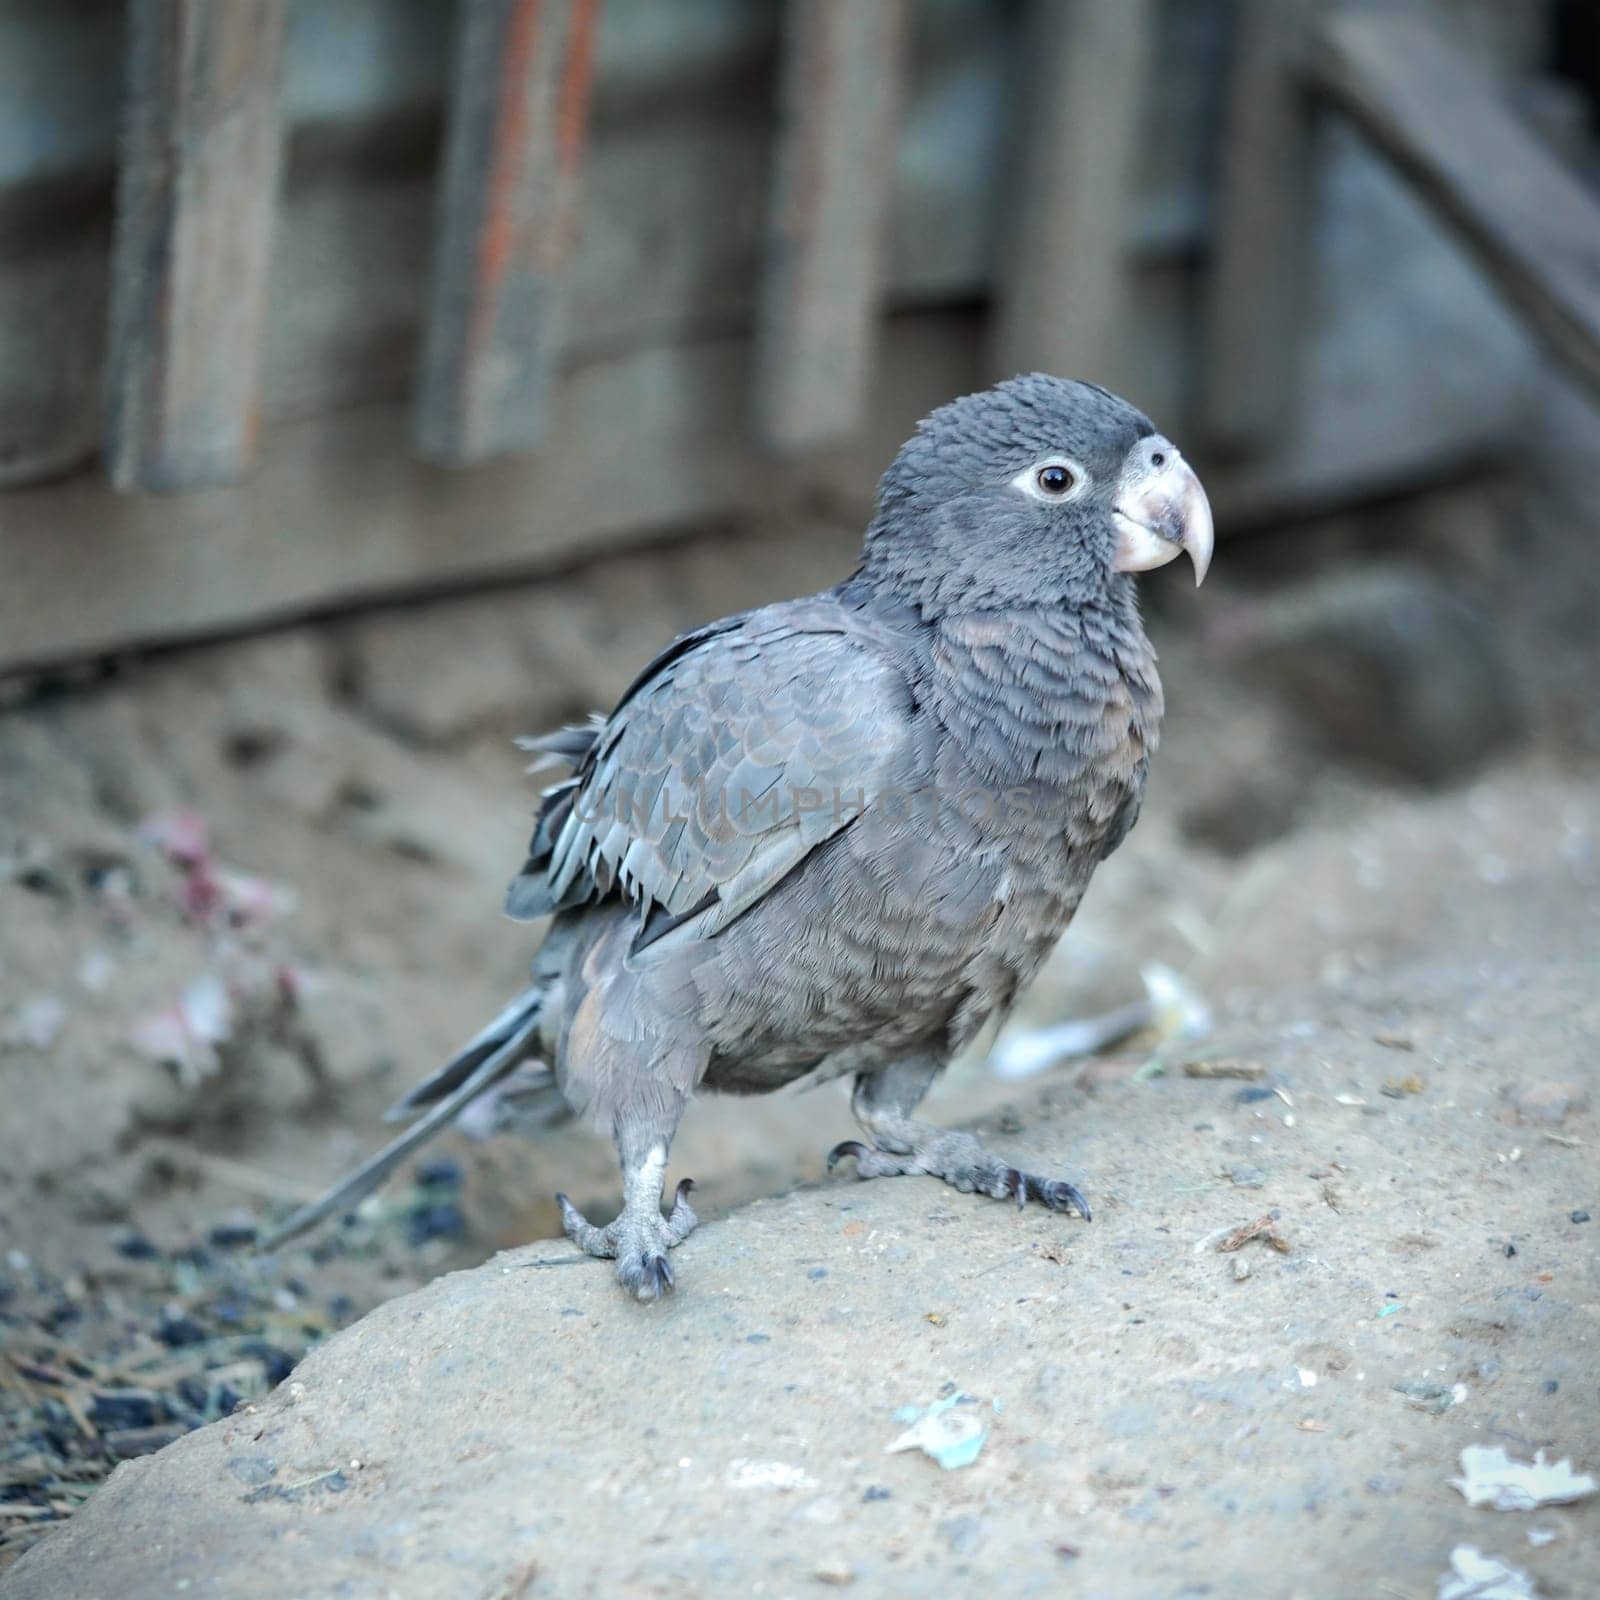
{"x":1039,"y":490}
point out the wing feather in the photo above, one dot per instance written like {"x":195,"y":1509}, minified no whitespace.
{"x":717,"y":775}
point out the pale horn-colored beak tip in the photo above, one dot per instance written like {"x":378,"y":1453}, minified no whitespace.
{"x":1199,"y":532}
{"x":1162,"y":512}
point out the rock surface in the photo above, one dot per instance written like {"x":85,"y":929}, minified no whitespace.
{"x":1156,"y":1425}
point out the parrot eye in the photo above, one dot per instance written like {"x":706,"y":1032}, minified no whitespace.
{"x":1054,"y":482}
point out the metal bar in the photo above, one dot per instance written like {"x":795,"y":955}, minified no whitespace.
{"x":839,"y":103}
{"x":507,"y":217}
{"x":1435,"y":113}
{"x":1254,"y":316}
{"x":1063,"y":281}
{"x":195,"y":200}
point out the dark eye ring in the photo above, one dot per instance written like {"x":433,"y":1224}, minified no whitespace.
{"x":1054,"y":480}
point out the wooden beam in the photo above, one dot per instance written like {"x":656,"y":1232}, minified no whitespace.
{"x":1438,"y":116}
{"x":839,"y":103}
{"x":641,"y":445}
{"x":1254,"y":317}
{"x":341,"y":514}
{"x":195,"y":200}
{"x":1063,"y":281}
{"x":507,"y":214}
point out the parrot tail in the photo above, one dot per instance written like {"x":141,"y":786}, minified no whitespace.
{"x":494,"y":1054}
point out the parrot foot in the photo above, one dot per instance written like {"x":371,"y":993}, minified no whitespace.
{"x":964,"y":1164}
{"x":638,"y":1241}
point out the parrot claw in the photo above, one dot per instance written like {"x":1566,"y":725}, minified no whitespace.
{"x":637,"y":1242}
{"x":849,"y":1147}
{"x":964,"y":1165}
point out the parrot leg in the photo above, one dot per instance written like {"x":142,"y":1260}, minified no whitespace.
{"x":883,"y":1101}
{"x":640,"y":1237}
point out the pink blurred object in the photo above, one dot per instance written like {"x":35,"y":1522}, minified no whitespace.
{"x":209,"y":892}
{"x":180,"y":834}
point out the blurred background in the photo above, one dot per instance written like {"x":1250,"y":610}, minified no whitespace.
{"x":385,"y":378}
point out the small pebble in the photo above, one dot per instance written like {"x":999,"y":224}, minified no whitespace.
{"x":1580,"y":1216}
{"x":136,"y":1248}
{"x":877,"y":1492}
{"x":438,"y":1173}
{"x":176,"y":1330}
{"x":441,"y":1221}
{"x":1247,"y":1177}
{"x":837,"y":1573}
{"x":1241,"y":1269}
{"x":1398,"y":1088}
{"x":817,"y":1272}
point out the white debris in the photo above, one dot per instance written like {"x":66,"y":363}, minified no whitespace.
{"x":768,"y":1475}
{"x":96,"y":971}
{"x":36,"y":1024}
{"x":949,"y":1436}
{"x":1476,"y":1576}
{"x":187,"y":1031}
{"x":1173,"y":1009}
{"x":1023,"y":1052}
{"x":1490,"y":1477}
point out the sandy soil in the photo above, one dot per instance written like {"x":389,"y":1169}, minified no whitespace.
{"x":1162,"y":1418}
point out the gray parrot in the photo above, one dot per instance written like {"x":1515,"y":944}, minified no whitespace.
{"x":835,"y":835}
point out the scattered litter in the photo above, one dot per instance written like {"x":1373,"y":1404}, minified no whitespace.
{"x":944,"y":1431}
{"x":1264,"y":1227}
{"x":937,"y":1318}
{"x":1348,"y":1100}
{"x":1180,"y":1017}
{"x":1225,"y":1067}
{"x":1393,"y":1309}
{"x":744,"y":1474}
{"x":187,"y":1032}
{"x":1395,"y":1041}
{"x":1311,"y":1425}
{"x":1024,"y":1052}
{"x":1491,"y":1477}
{"x":1541,"y":1536}
{"x":210,"y":894}
{"x":1423,"y":1394}
{"x":1475,"y":1576}
{"x":1241,"y":1269}
{"x":1399,"y":1088}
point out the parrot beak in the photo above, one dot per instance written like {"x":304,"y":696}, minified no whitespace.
{"x":1161,"y":511}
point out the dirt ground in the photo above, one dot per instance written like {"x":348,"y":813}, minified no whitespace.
{"x":249,"y":891}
